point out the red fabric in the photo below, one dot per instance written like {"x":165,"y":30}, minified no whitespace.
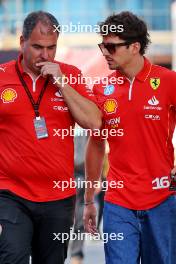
{"x":145,"y":151}
{"x":29,"y":166}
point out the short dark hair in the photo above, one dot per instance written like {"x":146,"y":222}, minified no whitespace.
{"x":134,"y":29}
{"x":33,"y":18}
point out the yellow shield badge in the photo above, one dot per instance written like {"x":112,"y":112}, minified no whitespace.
{"x":154,"y":82}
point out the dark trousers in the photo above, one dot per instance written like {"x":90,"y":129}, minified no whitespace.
{"x":34,"y":228}
{"x":77,"y":245}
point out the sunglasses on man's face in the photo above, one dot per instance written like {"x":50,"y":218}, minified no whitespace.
{"x":111,"y":47}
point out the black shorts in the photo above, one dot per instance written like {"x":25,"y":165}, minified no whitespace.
{"x":34,"y":229}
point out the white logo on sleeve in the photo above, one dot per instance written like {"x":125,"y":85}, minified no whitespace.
{"x":2,"y":69}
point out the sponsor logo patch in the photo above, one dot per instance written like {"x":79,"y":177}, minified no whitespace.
{"x":109,"y":89}
{"x":58,"y":93}
{"x":155,"y":83}
{"x":152,"y":117}
{"x":110,"y":106}
{"x":153,"y":104}
{"x":8,"y":95}
{"x":58,"y":97}
{"x":153,"y":101}
{"x":60,"y":108}
{"x":113,"y":122}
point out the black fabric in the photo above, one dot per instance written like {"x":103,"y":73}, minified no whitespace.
{"x":28,"y":229}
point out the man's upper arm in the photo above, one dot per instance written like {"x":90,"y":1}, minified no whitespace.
{"x":172,"y":86}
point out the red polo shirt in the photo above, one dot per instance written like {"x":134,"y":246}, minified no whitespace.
{"x":143,"y":156}
{"x":29,"y":167}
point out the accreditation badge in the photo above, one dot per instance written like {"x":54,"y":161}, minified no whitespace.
{"x":40,"y":127}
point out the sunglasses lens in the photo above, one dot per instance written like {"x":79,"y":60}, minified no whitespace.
{"x":110,"y":47}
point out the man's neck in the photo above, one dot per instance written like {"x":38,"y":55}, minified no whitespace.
{"x":133,"y":68}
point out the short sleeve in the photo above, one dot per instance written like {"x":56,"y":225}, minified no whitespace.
{"x":172,"y":88}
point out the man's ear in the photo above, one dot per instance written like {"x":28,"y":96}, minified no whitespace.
{"x":22,"y":42}
{"x":136,"y":47}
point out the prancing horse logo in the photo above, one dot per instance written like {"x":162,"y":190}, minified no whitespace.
{"x":155,"y":82}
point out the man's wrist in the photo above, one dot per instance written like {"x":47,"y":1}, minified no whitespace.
{"x":61,"y":81}
{"x":88,"y":203}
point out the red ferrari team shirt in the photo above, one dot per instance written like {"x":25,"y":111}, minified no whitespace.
{"x":29,"y":167}
{"x":142,"y":114}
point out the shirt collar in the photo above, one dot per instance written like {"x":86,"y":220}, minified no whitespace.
{"x":19,"y":61}
{"x":143,"y":74}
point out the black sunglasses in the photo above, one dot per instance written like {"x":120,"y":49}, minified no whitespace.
{"x":111,"y":47}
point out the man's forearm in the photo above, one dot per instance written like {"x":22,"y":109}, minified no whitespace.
{"x":94,"y":162}
{"x":84,"y":111}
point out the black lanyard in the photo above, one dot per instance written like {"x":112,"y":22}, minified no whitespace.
{"x":35,"y":105}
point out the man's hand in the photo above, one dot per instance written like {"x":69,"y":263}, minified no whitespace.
{"x":50,"y":68}
{"x":173,"y":172}
{"x":84,"y":112}
{"x":89,"y":218}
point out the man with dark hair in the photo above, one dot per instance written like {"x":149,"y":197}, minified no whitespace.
{"x":140,"y":212}
{"x":36,"y":158}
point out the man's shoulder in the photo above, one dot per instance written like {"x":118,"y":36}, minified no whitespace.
{"x":68,"y":68}
{"x":7,"y":68}
{"x":162,"y":71}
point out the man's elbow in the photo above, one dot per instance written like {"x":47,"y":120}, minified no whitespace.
{"x":94,"y":121}
{"x":95,"y":124}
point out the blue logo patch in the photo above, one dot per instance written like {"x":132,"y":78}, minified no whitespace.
{"x":109,"y":89}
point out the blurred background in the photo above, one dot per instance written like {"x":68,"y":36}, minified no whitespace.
{"x":80,"y":48}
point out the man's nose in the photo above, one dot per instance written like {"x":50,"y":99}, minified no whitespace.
{"x":44,"y":54}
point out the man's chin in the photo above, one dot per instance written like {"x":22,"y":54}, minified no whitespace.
{"x":112,"y":67}
{"x":36,"y":70}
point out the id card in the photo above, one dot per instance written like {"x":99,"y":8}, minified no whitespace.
{"x":40,"y":127}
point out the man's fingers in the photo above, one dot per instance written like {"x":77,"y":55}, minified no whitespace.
{"x":43,"y":63}
{"x":46,"y":71}
{"x":94,"y":221}
{"x":173,"y":171}
{"x":49,"y":69}
{"x":90,"y":228}
{"x":89,"y":219}
{"x":86,"y":223}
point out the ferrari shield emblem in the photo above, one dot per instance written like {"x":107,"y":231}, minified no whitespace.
{"x":155,"y":82}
